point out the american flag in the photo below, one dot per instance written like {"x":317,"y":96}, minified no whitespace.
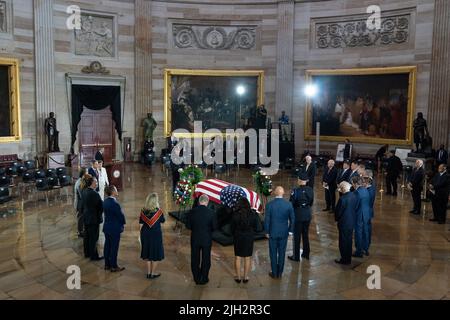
{"x":231,"y":194}
{"x":213,"y":187}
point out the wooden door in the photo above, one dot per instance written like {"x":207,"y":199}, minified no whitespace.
{"x":96,"y":130}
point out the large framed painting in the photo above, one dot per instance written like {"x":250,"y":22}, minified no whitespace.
{"x":10,"y":130}
{"x":220,"y":99}
{"x":371,"y":105}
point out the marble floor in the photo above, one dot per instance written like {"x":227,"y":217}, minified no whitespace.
{"x":38,"y":242}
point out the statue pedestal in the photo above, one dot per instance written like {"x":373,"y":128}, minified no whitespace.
{"x":55,"y":160}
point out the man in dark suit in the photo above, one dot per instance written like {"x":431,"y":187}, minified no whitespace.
{"x":99,"y":155}
{"x":92,"y":206}
{"x":112,"y":228}
{"x":347,"y":149}
{"x":310,"y":170}
{"x":354,"y":173}
{"x":94,"y":172}
{"x":278,"y":222}
{"x":393,"y":170}
{"x":329,"y":183}
{"x":369,"y":184}
{"x":345,"y":216}
{"x":441,"y":155}
{"x":302,"y":199}
{"x":415,"y":184}
{"x":202,"y":222}
{"x":440,"y":186}
{"x":344,"y":174}
{"x":362,"y":217}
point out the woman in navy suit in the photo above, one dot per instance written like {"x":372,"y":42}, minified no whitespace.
{"x":152,"y":249}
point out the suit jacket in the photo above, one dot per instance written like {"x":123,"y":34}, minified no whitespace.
{"x":395,"y":166}
{"x":202,"y":222}
{"x":93,"y":172}
{"x":330,"y":177}
{"x":114,"y":217}
{"x":99,"y":156}
{"x":441,"y":158}
{"x":92,"y":206}
{"x":373,"y":194}
{"x":279,"y":218}
{"x":311,"y":173}
{"x":363,"y":213}
{"x":352,"y":174}
{"x":302,"y":199}
{"x":441,"y":184}
{"x":347,"y":154}
{"x":416,"y":178}
{"x":345,"y":213}
{"x":344,"y":176}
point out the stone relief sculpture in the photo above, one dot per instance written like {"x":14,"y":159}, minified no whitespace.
{"x":3,"y":17}
{"x":394,"y":30}
{"x":214,"y":37}
{"x":96,"y":36}
{"x":95,"y":67}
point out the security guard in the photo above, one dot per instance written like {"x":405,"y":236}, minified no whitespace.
{"x":302,"y":199}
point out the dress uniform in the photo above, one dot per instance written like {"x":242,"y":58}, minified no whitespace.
{"x":302,"y":199}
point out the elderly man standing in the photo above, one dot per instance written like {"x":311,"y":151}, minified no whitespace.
{"x":278,"y":222}
{"x":345,"y":216}
{"x":329,"y":184}
{"x":369,"y":184}
{"x":310,"y":170}
{"x":415,"y":184}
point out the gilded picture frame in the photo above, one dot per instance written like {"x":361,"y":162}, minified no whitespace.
{"x":170,"y":73}
{"x":15,"y":129}
{"x":372,"y":97}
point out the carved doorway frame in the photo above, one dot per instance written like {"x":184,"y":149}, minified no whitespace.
{"x":97,"y":80}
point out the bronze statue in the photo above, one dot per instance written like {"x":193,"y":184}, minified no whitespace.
{"x":420,"y":132}
{"x":149,"y":125}
{"x":52,"y":133}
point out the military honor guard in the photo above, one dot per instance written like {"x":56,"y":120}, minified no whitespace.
{"x":302,"y":199}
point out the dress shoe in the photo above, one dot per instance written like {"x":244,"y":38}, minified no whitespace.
{"x":118,"y":269}
{"x":413,"y":211}
{"x":357,"y":255}
{"x":340,"y":261}
{"x":245,"y":280}
{"x":305,"y":257}
{"x":97,"y":259}
{"x":366,"y":253}
{"x":417,"y":213}
{"x":433,"y":220}
{"x":107,"y":268}
{"x":272,"y":275}
{"x":237,"y":280}
{"x":293,"y":258}
{"x":154,"y":276}
{"x":149,"y":276}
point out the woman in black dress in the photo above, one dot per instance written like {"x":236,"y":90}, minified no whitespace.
{"x":243,"y":226}
{"x":152,"y":249}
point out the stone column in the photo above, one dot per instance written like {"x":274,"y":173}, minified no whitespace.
{"x":45,"y":68}
{"x":143,"y":66}
{"x":439,"y":97}
{"x":285,"y":59}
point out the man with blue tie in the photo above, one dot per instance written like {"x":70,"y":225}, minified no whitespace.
{"x":362,"y":217}
{"x":278,"y":223}
{"x":112,"y":228}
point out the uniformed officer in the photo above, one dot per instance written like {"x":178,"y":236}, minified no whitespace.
{"x":302,"y":199}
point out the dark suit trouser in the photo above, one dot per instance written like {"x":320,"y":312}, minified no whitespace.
{"x":361,"y":236}
{"x":330,"y":198}
{"x":111,"y":249}
{"x":80,"y":221}
{"x":391,"y":183}
{"x":345,"y":244}
{"x":417,"y":198}
{"x":277,"y":252}
{"x":200,"y":269}
{"x":439,"y":208}
{"x":90,"y":241}
{"x":301,"y":231}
